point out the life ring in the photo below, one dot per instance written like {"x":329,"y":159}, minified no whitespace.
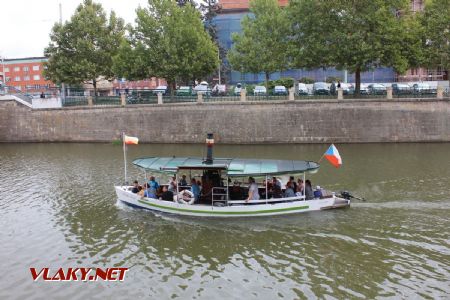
{"x":186,"y":197}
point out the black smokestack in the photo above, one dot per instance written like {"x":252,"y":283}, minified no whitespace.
{"x":209,"y":149}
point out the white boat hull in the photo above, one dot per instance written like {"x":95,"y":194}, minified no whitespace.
{"x":240,"y":210}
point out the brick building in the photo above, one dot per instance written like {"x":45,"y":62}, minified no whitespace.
{"x":25,"y":74}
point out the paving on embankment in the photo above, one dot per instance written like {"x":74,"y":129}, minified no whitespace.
{"x":312,"y":121}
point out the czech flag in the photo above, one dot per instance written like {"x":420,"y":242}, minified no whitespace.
{"x":333,"y":156}
{"x":130,"y":140}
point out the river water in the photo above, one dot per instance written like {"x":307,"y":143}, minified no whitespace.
{"x":58,"y":209}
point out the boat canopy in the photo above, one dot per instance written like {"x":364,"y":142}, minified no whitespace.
{"x":235,"y":167}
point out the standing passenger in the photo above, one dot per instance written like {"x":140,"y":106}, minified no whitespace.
{"x":195,"y":189}
{"x":253,"y":193}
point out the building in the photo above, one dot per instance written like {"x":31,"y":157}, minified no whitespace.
{"x":422,"y":74}
{"x":228,"y":21}
{"x":25,"y":74}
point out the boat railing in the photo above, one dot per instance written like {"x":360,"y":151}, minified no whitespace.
{"x":271,"y":200}
{"x":222,"y":192}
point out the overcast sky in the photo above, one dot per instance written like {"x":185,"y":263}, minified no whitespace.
{"x":26,"y":24}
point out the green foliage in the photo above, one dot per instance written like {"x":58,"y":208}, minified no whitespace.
{"x":353,"y":35}
{"x":436,"y":34}
{"x":262,"y":45}
{"x":331,"y":79}
{"x":306,"y":80}
{"x":81,"y":49}
{"x":169,"y":41}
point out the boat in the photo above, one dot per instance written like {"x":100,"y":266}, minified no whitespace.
{"x":220,"y":179}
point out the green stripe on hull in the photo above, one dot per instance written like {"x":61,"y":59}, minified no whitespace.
{"x":227,"y":212}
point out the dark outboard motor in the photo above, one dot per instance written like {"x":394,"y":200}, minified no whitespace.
{"x":348,"y":196}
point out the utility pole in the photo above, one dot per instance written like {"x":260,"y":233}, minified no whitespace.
{"x":218,"y":55}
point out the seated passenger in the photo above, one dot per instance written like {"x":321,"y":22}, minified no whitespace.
{"x":183,"y":181}
{"x":289,"y":192}
{"x":309,"y":194}
{"x":136,"y":188}
{"x":300,"y":188}
{"x":253,"y":193}
{"x":166,"y":194}
{"x":293,"y":183}
{"x":318,"y":192}
{"x":195,"y":189}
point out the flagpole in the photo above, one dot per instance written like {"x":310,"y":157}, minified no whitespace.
{"x":124,"y":156}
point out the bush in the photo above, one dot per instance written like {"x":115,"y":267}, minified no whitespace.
{"x":331,"y":79}
{"x":306,"y":80}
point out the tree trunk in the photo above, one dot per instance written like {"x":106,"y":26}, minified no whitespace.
{"x":357,"y":82}
{"x":94,"y":83}
{"x":267,"y":83}
{"x":173,"y":87}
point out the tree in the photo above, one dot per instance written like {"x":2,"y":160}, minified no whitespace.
{"x":262,"y":45}
{"x":356,"y":35}
{"x":436,"y":23}
{"x":169,"y":41}
{"x":81,"y":49}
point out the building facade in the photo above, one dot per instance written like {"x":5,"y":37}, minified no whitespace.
{"x":228,"y":21}
{"x":25,"y":74}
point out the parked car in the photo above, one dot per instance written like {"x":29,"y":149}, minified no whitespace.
{"x":347,"y":88}
{"x":202,"y":88}
{"x":321,"y":88}
{"x":219,"y":90}
{"x":280,"y":90}
{"x":302,"y":89}
{"x":363,"y":89}
{"x":237,"y":89}
{"x":423,"y":89}
{"x":260,"y":90}
{"x":377,"y":89}
{"x":401,"y":89}
{"x":184,"y":91}
{"x":160,"y":89}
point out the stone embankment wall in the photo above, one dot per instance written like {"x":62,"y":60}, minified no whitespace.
{"x":326,"y":121}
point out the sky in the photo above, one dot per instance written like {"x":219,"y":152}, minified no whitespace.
{"x":26,"y":24}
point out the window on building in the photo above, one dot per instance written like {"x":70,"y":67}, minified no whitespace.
{"x":17,"y":78}
{"x":26,"y":69}
{"x":26,"y":78}
{"x":6,"y":70}
{"x":8,"y":79}
{"x":36,"y":77}
{"x":35,"y":68}
{"x":16,"y":69}
{"x":19,"y":87}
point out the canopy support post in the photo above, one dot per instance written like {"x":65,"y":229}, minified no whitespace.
{"x":304,"y":186}
{"x":228,"y":196}
{"x":124,"y":157}
{"x":266,"y":189}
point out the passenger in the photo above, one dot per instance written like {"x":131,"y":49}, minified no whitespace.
{"x":172,"y":186}
{"x":309,"y":194}
{"x":159,"y":192}
{"x":300,"y":188}
{"x":318,"y":192}
{"x":195,"y":189}
{"x":293,"y":183}
{"x":276,"y":181}
{"x":183,"y":181}
{"x":136,"y":188}
{"x":289,"y":192}
{"x":253,"y":193}
{"x":276,"y":191}
{"x":152,"y":188}
{"x":166,"y":194}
